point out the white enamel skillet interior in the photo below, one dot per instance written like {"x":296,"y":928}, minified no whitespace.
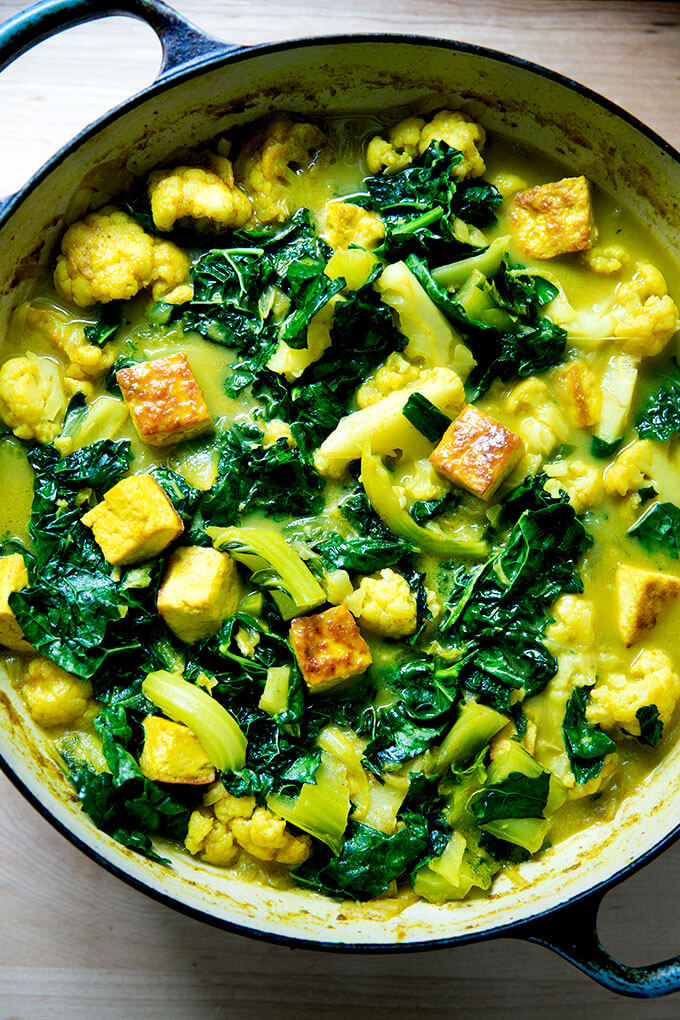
{"x":206,"y":88}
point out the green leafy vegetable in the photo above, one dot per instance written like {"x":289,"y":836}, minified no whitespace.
{"x":659,"y":529}
{"x":109,"y":321}
{"x":518,"y":796}
{"x":425,"y":417}
{"x":587,"y":746}
{"x":651,"y":726}
{"x":659,"y":417}
{"x":603,"y":450}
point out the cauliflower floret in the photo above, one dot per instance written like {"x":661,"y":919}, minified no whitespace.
{"x":229,"y":807}
{"x":345,"y":224}
{"x":170,"y":273}
{"x":108,"y":256}
{"x":207,"y":195}
{"x":645,"y":317}
{"x":573,"y":622}
{"x":37,"y":324}
{"x":269,"y":163}
{"x":545,"y":427}
{"x":394,"y":374}
{"x":632,"y":469}
{"x":605,"y":261}
{"x":219,"y":847}
{"x":32,"y":400}
{"x":616,"y":699}
{"x":385,"y":605}
{"x":266,"y":837}
{"x":54,"y":697}
{"x":411,"y":137}
{"x":581,"y":483}
{"x":420,"y":481}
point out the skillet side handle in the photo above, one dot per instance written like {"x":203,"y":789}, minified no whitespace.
{"x":572,"y":933}
{"x":183,"y":44}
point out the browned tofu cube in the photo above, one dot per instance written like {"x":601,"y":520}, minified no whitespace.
{"x":581,"y":393}
{"x":165,"y":401}
{"x":173,"y":753}
{"x":553,"y":219}
{"x":329,"y":648}
{"x":642,"y":595}
{"x":477,"y":452}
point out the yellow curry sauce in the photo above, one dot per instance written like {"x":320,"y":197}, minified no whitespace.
{"x":385,"y":738}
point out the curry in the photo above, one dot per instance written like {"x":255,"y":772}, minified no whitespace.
{"x":342,"y":507}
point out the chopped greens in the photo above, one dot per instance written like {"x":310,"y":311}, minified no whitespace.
{"x":659,"y":417}
{"x":658,"y":530}
{"x":587,"y":746}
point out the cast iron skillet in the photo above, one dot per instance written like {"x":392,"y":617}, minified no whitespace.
{"x":570,"y":929}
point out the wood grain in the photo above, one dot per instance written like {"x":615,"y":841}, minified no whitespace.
{"x":76,"y":942}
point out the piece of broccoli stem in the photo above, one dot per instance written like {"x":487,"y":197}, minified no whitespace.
{"x":295,"y":589}
{"x":384,"y":500}
{"x":487,"y":262}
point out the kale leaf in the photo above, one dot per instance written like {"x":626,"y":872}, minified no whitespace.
{"x":659,"y":529}
{"x":517,"y":796}
{"x":587,"y":746}
{"x":659,"y":417}
{"x":651,"y":726}
{"x":425,"y":417}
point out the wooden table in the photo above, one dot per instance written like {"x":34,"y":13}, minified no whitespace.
{"x":78,"y":943}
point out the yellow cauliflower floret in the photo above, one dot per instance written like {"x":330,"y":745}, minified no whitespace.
{"x":229,"y":807}
{"x":345,"y":224}
{"x":36,"y":324}
{"x":393,"y":375}
{"x":108,"y":256}
{"x":266,"y":837}
{"x":616,"y":699}
{"x":32,"y":399}
{"x":54,"y":697}
{"x":385,"y":604}
{"x":411,"y":137}
{"x":544,"y":427}
{"x":420,"y":480}
{"x":582,"y":484}
{"x":219,"y":847}
{"x":200,"y":824}
{"x":170,"y":273}
{"x":645,"y":317}
{"x":573,"y":622}
{"x":269,"y":163}
{"x":632,"y":469}
{"x":207,"y":195}
{"x":605,"y":261}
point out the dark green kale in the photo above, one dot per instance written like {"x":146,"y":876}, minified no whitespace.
{"x":587,"y":746}
{"x":658,"y":530}
{"x":495,"y":614}
{"x":659,"y":417}
{"x":602,"y":450}
{"x":529,"y":342}
{"x":370,"y":860}
{"x":425,"y":509}
{"x":425,"y":417}
{"x":360,"y":555}
{"x":109,"y":320}
{"x":651,"y":726}
{"x":420,"y":204}
{"x":518,"y":796}
{"x":277,"y":479}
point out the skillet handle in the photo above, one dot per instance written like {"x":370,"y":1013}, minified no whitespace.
{"x":183,"y":44}
{"x":572,"y":933}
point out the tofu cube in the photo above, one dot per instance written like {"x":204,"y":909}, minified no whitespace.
{"x":581,"y":392}
{"x":553,"y":219}
{"x":53,"y":696}
{"x":135,"y":521}
{"x":329,"y":648}
{"x":165,"y":401}
{"x":173,"y":753}
{"x":200,"y":589}
{"x":642,"y":596}
{"x":13,"y":577}
{"x":477,"y":452}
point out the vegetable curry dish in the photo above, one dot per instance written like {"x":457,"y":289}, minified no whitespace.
{"x":342,"y":507}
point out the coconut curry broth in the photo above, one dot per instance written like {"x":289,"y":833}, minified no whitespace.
{"x":239,"y":822}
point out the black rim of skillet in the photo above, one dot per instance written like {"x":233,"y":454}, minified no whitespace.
{"x":213,"y":61}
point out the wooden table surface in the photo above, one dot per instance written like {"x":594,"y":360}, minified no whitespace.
{"x":76,"y":942}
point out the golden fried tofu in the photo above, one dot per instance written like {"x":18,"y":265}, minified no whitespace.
{"x":329,"y":648}
{"x":477,"y":452}
{"x":13,"y":577}
{"x":642,"y":595}
{"x":134,"y":521}
{"x":553,"y":219}
{"x":165,"y":401}
{"x":200,"y":589}
{"x":581,"y":393}
{"x":173,"y":753}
